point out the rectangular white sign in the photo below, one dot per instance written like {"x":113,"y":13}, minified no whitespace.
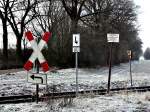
{"x":37,"y":78}
{"x":76,"y":40}
{"x":113,"y":37}
{"x":76,"y":49}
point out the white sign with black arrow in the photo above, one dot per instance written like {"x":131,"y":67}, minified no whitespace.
{"x":35,"y":78}
{"x":76,"y":40}
{"x":76,"y":43}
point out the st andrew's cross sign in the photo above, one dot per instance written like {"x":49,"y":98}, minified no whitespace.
{"x":37,"y":51}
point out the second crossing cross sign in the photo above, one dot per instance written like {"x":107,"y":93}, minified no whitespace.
{"x":37,"y":51}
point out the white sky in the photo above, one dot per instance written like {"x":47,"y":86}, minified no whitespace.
{"x":144,"y":21}
{"x":143,"y":18}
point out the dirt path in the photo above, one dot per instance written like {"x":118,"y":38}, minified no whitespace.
{"x":10,"y":71}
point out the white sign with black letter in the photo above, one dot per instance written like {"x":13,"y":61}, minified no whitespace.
{"x":76,"y":40}
{"x":76,"y":43}
{"x":113,"y":37}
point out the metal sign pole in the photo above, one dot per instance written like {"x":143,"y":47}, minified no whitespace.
{"x":76,"y":62}
{"x":76,"y":49}
{"x":110,"y":64}
{"x":130,"y":72}
{"x":37,"y":85}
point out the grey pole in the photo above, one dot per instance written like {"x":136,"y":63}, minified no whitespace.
{"x":76,"y":62}
{"x":130,"y":72}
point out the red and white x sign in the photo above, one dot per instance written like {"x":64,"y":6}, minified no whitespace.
{"x":37,"y":51}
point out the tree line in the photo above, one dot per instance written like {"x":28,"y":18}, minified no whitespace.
{"x":93,"y":19}
{"x":147,"y":54}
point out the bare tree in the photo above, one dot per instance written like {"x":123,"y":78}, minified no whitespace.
{"x":111,"y":16}
{"x":19,"y":17}
{"x":4,"y":5}
{"x":74,"y":9}
{"x":52,"y":17}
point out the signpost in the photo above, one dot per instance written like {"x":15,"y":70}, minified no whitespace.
{"x":129,"y":52}
{"x":111,"y":38}
{"x":37,"y":78}
{"x":76,"y":49}
{"x":37,"y":57}
{"x":76,"y":40}
{"x":76,"y":43}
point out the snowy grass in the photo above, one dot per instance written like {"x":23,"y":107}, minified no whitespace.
{"x":64,"y":80}
{"x":125,"y":102}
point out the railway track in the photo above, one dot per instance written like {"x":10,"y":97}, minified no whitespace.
{"x":31,"y":98}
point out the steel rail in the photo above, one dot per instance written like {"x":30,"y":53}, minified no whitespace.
{"x":56,"y":95}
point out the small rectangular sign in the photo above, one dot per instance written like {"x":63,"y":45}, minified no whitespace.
{"x":76,"y":40}
{"x":37,"y":78}
{"x":76,"y":49}
{"x":113,"y":37}
{"x":129,"y":52}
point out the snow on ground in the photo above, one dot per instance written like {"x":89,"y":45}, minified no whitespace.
{"x":125,"y":102}
{"x":64,"y":79}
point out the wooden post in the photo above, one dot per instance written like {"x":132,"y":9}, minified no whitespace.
{"x":37,"y":85}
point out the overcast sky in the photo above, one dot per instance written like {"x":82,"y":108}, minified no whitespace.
{"x":143,"y":19}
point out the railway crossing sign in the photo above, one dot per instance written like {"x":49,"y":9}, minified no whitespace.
{"x":76,"y":43}
{"x":113,"y":37}
{"x":37,"y":51}
{"x":37,"y":78}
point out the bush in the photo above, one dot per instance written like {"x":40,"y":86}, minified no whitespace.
{"x":13,"y":61}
